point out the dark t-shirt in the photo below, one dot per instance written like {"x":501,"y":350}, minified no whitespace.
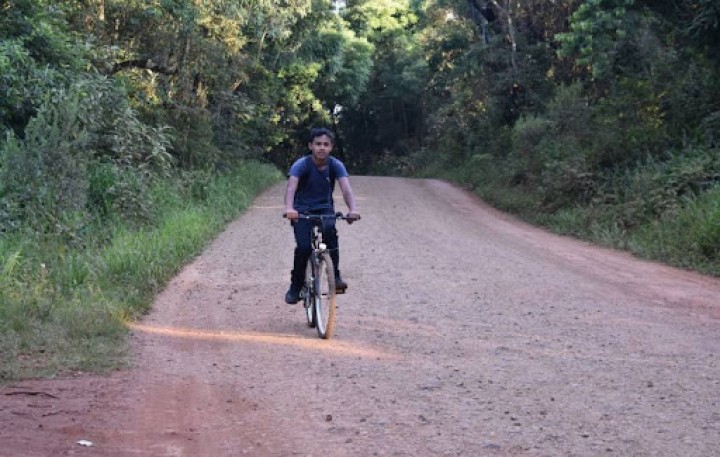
{"x":315,"y":187}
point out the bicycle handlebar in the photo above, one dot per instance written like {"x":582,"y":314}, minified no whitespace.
{"x":320,"y":217}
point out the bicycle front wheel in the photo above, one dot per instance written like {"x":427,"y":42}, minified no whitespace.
{"x":324,"y":302}
{"x":308,"y":293}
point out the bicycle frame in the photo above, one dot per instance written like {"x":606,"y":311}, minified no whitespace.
{"x":311,"y":273}
{"x":318,"y":293}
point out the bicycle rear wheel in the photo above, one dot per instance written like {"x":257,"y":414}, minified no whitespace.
{"x":308,"y":293}
{"x":324,"y":303}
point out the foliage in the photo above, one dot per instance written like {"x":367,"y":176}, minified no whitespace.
{"x":64,"y":309}
{"x":43,"y":176}
{"x":595,"y":117}
{"x":387,"y":115}
{"x":597,"y":31}
{"x":695,"y":23}
{"x":346,"y":69}
{"x":37,"y":52}
{"x":50,"y":180}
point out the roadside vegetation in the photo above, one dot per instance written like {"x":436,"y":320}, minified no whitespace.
{"x":608,"y":130}
{"x":643,"y":212}
{"x":67,"y":297}
{"x":132,"y":131}
{"x":597,"y":118}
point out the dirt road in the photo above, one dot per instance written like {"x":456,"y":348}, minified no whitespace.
{"x":463,"y":332}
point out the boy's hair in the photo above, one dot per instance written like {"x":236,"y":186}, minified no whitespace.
{"x":320,"y":131}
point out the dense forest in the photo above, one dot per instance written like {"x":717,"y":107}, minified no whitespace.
{"x":597,"y":118}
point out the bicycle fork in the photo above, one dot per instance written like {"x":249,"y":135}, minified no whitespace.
{"x":308,"y":290}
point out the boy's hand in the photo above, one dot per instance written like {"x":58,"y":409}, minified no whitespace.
{"x":352,"y":217}
{"x":291,"y":214}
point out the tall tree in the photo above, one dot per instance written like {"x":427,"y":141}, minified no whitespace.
{"x":388,"y":115}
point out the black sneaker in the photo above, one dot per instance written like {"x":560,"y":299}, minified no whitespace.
{"x":340,"y":285}
{"x":292,"y":296}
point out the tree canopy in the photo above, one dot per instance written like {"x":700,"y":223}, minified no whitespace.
{"x":204,"y":84}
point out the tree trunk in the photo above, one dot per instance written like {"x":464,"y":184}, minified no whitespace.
{"x":507,"y":14}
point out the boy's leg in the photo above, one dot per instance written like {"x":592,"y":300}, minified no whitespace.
{"x":331,"y":239}
{"x":302,"y":229}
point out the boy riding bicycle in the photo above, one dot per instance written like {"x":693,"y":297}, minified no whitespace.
{"x":309,"y":190}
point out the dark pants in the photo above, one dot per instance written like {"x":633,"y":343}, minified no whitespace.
{"x":303,"y":248}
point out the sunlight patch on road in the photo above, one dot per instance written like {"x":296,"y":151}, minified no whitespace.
{"x":332,"y":346}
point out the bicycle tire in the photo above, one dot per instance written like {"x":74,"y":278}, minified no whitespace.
{"x":308,"y":295}
{"x":324,"y":297}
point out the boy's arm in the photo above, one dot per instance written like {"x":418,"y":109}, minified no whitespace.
{"x":290,"y":190}
{"x":349,"y":197}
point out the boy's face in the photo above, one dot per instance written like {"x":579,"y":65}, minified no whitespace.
{"x":321,"y":147}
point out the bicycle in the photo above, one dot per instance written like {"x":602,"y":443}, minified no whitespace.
{"x":318,"y":294}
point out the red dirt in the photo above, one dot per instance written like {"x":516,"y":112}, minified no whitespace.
{"x":463,"y":332}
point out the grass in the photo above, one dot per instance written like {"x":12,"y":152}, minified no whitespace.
{"x":687,"y":238}
{"x":65,"y":310}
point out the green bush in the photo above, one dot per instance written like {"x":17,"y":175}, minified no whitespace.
{"x":707,"y":209}
{"x":85,"y":154}
{"x":118,"y":192}
{"x":549,"y":150}
{"x":655,"y":187}
{"x":44,"y":175}
{"x":192,"y":144}
{"x":689,"y":237}
{"x":529,"y":138}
